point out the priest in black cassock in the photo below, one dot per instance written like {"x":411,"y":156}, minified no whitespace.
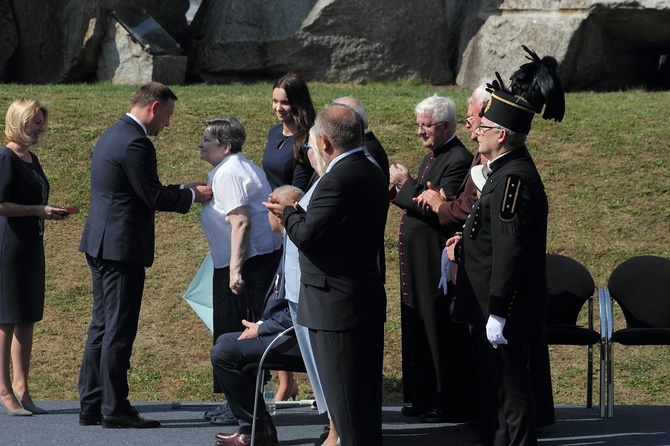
{"x":436,"y":353}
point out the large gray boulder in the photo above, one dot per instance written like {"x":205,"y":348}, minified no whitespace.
{"x":329,"y":40}
{"x":9,"y":39}
{"x":60,"y":40}
{"x":604,"y":44}
{"x":125,"y":62}
{"x":600,"y":45}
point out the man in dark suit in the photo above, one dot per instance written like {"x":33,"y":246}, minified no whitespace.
{"x":502,"y":280}
{"x":370,"y":142}
{"x":118,"y":240}
{"x":233,"y":351}
{"x":376,"y":151}
{"x":342,"y":298}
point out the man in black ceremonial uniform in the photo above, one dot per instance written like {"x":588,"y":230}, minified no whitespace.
{"x":502,"y":281}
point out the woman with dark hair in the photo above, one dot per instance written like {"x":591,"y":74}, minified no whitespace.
{"x":284,"y":159}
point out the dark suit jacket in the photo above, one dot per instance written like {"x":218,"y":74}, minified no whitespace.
{"x":125,"y":195}
{"x":339,"y":239}
{"x":504,"y":247}
{"x":376,"y":151}
{"x":276,"y":314}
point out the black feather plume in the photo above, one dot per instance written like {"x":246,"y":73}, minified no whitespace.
{"x":538,"y":83}
{"x":497,"y":84}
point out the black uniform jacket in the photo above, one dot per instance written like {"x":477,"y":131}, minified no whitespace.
{"x":503,"y":258}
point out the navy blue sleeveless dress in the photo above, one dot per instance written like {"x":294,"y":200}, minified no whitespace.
{"x":22,"y":271}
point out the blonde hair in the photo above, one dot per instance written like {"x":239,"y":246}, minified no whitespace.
{"x":19,"y":113}
{"x":321,"y":164}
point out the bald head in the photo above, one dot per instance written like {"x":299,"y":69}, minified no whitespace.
{"x":356,"y":105}
{"x":341,"y":126}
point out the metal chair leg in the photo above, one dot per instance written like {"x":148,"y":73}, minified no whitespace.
{"x":605,"y":313}
{"x":589,"y":378}
{"x":259,"y":379}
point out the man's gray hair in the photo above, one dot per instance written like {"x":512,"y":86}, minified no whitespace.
{"x":440,"y":108}
{"x":341,"y":125}
{"x":514,"y":139}
{"x":480,"y":94}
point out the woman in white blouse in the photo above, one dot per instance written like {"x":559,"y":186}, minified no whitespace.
{"x":245,"y":251}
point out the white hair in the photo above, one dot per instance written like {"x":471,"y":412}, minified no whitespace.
{"x":441,"y":108}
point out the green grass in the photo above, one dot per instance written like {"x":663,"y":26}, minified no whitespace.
{"x":604,"y":168}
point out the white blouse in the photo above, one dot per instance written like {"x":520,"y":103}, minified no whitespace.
{"x":236,"y":182}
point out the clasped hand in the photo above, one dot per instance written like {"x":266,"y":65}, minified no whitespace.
{"x":398,"y":174}
{"x":276,"y":206}
{"x":430,"y":199}
{"x":203,"y":192}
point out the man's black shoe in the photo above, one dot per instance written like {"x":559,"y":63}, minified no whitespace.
{"x":413,"y":411}
{"x":131,"y":420}
{"x":89,"y":419}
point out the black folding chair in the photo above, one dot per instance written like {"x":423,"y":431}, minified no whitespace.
{"x":641,"y":287}
{"x":570,"y":287}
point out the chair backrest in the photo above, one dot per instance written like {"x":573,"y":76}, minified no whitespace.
{"x":570,"y":285}
{"x":641,"y":287}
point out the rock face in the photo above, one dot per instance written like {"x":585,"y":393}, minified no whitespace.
{"x":124,"y":61}
{"x":9,"y":39}
{"x":330,"y":40}
{"x":67,"y":45}
{"x":601,"y":45}
{"x":606,"y":44}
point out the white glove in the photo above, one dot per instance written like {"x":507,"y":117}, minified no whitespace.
{"x":445,"y":268}
{"x":494,"y":330}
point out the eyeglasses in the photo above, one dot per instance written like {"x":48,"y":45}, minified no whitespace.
{"x":306,"y":146}
{"x":483,"y":128}
{"x":427,"y":126}
{"x":469,"y":120}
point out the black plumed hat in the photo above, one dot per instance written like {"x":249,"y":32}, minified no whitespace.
{"x":538,"y":83}
{"x":534,"y":86}
{"x":509,"y":111}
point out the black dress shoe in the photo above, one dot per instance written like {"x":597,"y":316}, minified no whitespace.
{"x":89,"y":419}
{"x":413,"y":411}
{"x":266,"y":436}
{"x":325,"y":433}
{"x":131,"y":419}
{"x":433,"y":416}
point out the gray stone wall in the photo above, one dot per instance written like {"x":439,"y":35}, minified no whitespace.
{"x":60,"y":40}
{"x":598,"y":44}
